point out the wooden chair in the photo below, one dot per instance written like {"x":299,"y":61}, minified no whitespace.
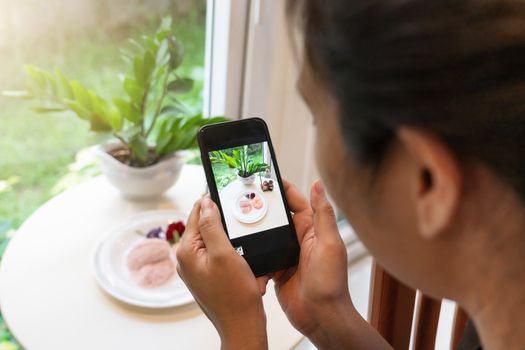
{"x":391,"y":312}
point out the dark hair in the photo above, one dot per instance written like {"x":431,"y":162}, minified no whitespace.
{"x":453,"y":67}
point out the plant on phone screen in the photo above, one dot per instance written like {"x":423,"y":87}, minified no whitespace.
{"x":239,"y":160}
{"x":151,"y":121}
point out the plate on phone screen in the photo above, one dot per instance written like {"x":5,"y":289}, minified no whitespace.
{"x":111,"y":268}
{"x":250,"y":206}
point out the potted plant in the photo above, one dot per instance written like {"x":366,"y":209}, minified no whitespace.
{"x":151,"y":125}
{"x":240,"y":160}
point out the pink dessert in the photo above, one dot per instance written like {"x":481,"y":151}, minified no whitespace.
{"x":154,"y":275}
{"x":150,"y":263}
{"x":245,"y":206}
{"x":257,"y":202}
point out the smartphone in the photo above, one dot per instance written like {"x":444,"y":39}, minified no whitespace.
{"x":245,"y":183}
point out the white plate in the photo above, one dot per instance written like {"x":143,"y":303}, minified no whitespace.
{"x":113,"y":275}
{"x":255,"y":214}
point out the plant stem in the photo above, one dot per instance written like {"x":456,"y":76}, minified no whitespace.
{"x":143,"y":107}
{"x":121,"y":139}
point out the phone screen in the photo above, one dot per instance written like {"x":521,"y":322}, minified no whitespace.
{"x":244,"y":181}
{"x":249,"y":192}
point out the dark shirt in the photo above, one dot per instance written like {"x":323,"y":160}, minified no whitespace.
{"x":470,"y":339}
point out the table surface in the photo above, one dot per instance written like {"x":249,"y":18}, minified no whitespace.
{"x":49,"y":296}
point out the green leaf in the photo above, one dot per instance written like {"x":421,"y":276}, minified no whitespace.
{"x":115,"y":118}
{"x":162,"y":34}
{"x":171,"y":101}
{"x":130,"y":133}
{"x":76,"y":107}
{"x":81,"y":94}
{"x":162,"y":53}
{"x":51,"y":84}
{"x":164,"y":128}
{"x":134,"y":91}
{"x":176,"y":51}
{"x":98,"y":105}
{"x":139,"y":149}
{"x":165,"y":24}
{"x":236,"y":160}
{"x":172,"y":110}
{"x":44,"y":109}
{"x":139,"y":71}
{"x":98,"y":124}
{"x":137,"y":46}
{"x":149,"y":65}
{"x":36,"y":75}
{"x":181,"y":85}
{"x":128,"y":110}
{"x":151,"y":44}
{"x":67,"y":91}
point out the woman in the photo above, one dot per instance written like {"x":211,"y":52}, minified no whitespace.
{"x":424,"y":104}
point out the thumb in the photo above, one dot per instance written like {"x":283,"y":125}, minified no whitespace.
{"x":325,"y":224}
{"x":210,"y":227}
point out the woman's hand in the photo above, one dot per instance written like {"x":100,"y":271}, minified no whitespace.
{"x":314,"y":294}
{"x":221,"y":280}
{"x":317,"y":288}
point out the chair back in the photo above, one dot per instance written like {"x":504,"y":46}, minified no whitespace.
{"x":393,"y":311}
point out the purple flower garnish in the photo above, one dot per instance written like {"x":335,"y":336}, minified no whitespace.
{"x":154,"y":233}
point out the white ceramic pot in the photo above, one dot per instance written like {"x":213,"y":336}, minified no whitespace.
{"x":139,"y":183}
{"x":246,"y":180}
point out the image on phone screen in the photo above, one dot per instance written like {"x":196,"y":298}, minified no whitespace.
{"x":249,"y":192}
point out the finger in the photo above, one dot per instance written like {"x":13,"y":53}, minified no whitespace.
{"x":192,"y":225}
{"x":298,"y":203}
{"x":191,"y":239}
{"x":210,"y":227}
{"x":280,"y":277}
{"x":263,"y":282}
{"x":325,"y":224}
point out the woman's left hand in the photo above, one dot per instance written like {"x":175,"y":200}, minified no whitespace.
{"x":221,"y":280}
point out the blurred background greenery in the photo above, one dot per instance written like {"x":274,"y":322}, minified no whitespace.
{"x":38,"y":153}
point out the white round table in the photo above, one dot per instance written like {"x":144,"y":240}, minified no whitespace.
{"x":49,"y":296}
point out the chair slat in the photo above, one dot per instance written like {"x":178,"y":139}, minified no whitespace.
{"x":426,"y":324}
{"x":458,"y":327}
{"x":391,"y":308}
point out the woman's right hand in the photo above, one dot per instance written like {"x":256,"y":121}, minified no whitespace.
{"x":314,"y":294}
{"x":317,"y":288}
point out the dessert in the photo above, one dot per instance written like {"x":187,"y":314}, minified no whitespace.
{"x":154,"y":275}
{"x":147,"y":252}
{"x":245,"y":206}
{"x":152,"y":261}
{"x":267,"y":185}
{"x":250,"y":201}
{"x":257,"y":202}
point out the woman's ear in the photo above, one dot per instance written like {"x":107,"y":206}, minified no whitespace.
{"x":439,"y":180}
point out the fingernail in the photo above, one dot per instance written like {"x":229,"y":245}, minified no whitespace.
{"x":319,"y":188}
{"x":206,"y":205}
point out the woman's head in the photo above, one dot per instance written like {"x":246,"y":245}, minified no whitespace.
{"x":420,"y":112}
